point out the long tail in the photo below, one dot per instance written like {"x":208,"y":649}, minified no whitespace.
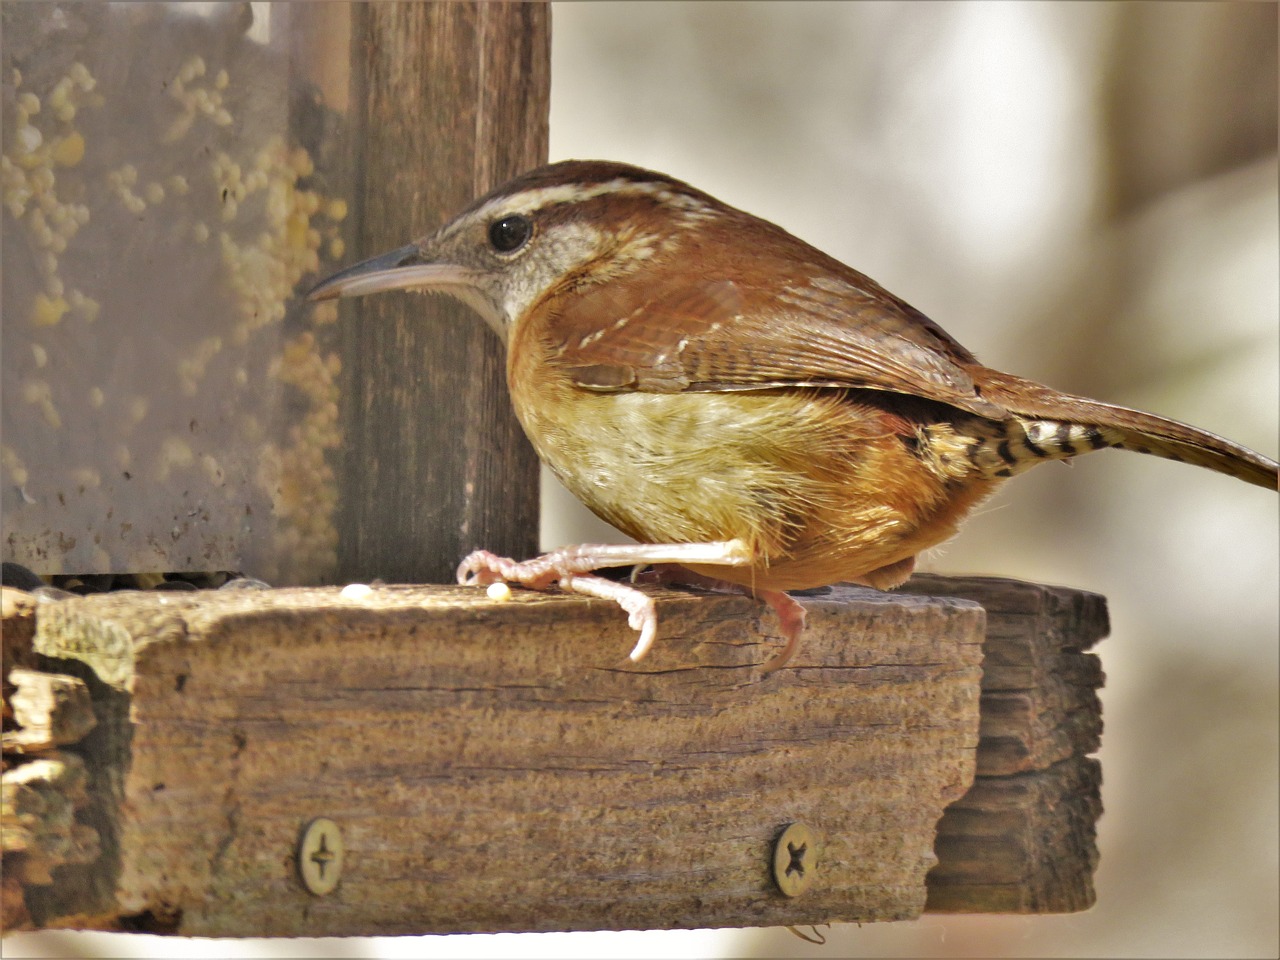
{"x":1058,"y":425}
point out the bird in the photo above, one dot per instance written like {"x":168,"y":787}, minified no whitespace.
{"x":757,"y":415}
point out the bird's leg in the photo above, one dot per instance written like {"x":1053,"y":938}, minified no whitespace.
{"x":789,"y":611}
{"x":791,"y":618}
{"x":569,"y":567}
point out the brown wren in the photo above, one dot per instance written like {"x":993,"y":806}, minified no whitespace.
{"x":749,"y":409}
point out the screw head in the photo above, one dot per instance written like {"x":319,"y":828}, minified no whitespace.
{"x":320,"y":856}
{"x":795,"y":860}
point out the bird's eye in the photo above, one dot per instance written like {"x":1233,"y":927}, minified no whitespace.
{"x":510,"y":233}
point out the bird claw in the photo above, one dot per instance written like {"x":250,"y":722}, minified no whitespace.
{"x":571,"y":568}
{"x":642,"y":616}
{"x":479,"y":569}
{"x":648,"y":628}
{"x":791,"y":616}
{"x":789,"y":611}
{"x":482,"y":568}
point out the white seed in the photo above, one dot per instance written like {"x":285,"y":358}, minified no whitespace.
{"x":29,"y":138}
{"x":356,"y":591}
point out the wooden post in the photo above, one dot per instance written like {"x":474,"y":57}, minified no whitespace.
{"x":495,"y":766}
{"x":455,"y":101}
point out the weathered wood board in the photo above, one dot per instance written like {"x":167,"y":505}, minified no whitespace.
{"x":503,"y":766}
{"x":1022,"y":840}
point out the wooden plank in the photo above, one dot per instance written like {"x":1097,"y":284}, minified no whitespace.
{"x":1040,"y":702}
{"x":1024,"y":843}
{"x":1023,"y":839}
{"x":503,"y":766}
{"x":452,"y":99}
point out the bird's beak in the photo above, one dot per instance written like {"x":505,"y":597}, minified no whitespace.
{"x":403,"y":269}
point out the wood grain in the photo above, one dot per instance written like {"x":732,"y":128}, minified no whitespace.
{"x":503,"y":766}
{"x":451,"y":99}
{"x":1024,"y":843}
{"x":1023,"y":839}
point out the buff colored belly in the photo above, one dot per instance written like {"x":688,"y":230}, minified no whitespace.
{"x":817,"y":487}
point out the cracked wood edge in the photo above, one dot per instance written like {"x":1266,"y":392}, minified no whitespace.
{"x":43,"y":790}
{"x":1024,"y":838}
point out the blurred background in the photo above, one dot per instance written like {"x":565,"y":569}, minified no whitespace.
{"x":1081,"y":193}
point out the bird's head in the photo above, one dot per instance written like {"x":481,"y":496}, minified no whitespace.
{"x":576,"y":222}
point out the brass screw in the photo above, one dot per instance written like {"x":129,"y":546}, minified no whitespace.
{"x":795,"y":860}
{"x":320,"y":855}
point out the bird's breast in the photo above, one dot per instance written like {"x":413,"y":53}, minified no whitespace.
{"x":672,"y":467}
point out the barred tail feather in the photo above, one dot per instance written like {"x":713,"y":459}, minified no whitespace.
{"x":1104,"y":424}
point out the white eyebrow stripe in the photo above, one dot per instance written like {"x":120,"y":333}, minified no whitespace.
{"x":527,"y":201}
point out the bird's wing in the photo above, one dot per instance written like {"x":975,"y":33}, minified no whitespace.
{"x":716,"y":334}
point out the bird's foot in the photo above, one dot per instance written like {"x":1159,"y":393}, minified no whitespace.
{"x":789,"y":611}
{"x":642,"y":615}
{"x":570,"y":569}
{"x":482,"y":568}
